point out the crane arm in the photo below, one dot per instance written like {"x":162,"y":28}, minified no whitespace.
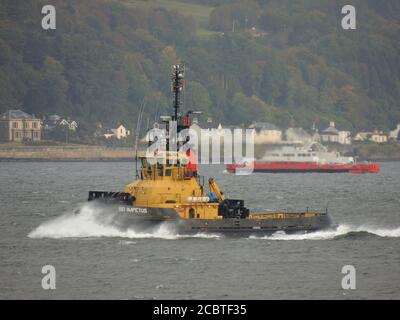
{"x":215,"y":188}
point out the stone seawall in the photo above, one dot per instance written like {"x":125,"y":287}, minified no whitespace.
{"x":53,"y":153}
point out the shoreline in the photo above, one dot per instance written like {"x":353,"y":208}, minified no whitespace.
{"x":88,"y":153}
{"x":132,"y":159}
{"x":67,"y":160}
{"x":66,"y":153}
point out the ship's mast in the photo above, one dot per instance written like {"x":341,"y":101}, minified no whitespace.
{"x":178,"y":72}
{"x":177,"y":86}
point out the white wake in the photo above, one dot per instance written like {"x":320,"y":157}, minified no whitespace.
{"x":94,"y":221}
{"x":329,"y":234}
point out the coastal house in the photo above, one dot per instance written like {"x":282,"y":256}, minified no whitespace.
{"x":53,"y":121}
{"x":375,"y":136}
{"x":208,"y":132}
{"x":362,"y":136}
{"x":394,"y":134}
{"x":331,"y":134}
{"x":316,"y":137}
{"x":206,"y":125}
{"x":378,"y":136}
{"x":16,"y":125}
{"x":266,"y":133}
{"x":344,"y":137}
{"x":119,"y":133}
{"x":71,"y":125}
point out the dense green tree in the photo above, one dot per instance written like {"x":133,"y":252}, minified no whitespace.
{"x":108,"y":57}
{"x":197,"y":98}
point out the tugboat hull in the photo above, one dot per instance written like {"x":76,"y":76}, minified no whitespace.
{"x":145,"y":219}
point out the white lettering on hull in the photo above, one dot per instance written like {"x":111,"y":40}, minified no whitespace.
{"x":133,"y":210}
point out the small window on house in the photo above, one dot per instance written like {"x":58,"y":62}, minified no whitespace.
{"x":35,"y":125}
{"x":26,"y":125}
{"x":15,"y":125}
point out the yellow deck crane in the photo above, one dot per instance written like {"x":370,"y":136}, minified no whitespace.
{"x":215,"y":188}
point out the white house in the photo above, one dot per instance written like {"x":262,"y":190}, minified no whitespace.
{"x":207,"y":127}
{"x":71,"y":125}
{"x":362,"y":136}
{"x":331,"y":134}
{"x":378,"y":136}
{"x":266,"y":133}
{"x":344,"y":137}
{"x":119,"y":133}
{"x":394,"y":134}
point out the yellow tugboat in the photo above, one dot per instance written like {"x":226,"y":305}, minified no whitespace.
{"x":168,"y":190}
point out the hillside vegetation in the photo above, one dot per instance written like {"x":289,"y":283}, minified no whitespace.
{"x":297,"y":66}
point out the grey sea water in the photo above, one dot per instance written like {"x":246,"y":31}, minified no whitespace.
{"x":93,"y":260}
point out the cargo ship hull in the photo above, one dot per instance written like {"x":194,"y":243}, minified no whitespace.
{"x":304,"y":167}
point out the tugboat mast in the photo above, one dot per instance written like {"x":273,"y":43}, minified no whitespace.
{"x":177,"y":87}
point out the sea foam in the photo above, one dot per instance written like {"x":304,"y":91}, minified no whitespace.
{"x":341,"y":231}
{"x":95,"y":221}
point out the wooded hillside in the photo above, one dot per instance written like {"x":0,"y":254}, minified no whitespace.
{"x":295,"y":67}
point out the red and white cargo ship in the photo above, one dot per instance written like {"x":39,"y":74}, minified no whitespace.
{"x":313,"y":157}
